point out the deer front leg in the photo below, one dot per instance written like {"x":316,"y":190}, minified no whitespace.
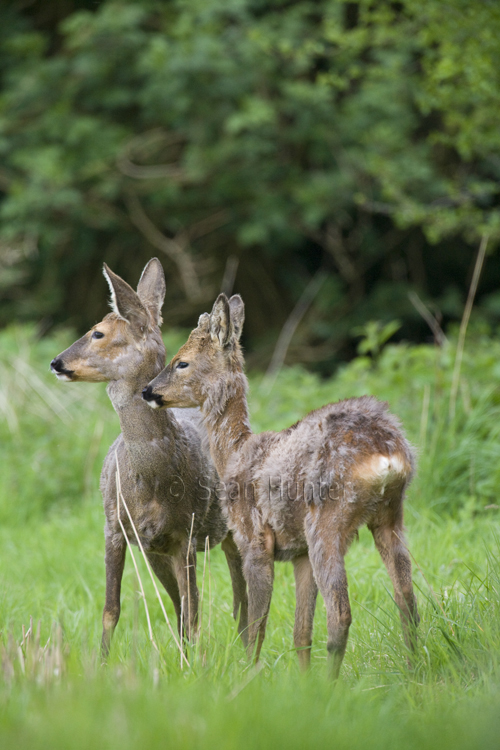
{"x":115,"y":562}
{"x":258,"y":568}
{"x":184,"y":562}
{"x":306,"y":592}
{"x":162,"y":567}
{"x":240,"y":598}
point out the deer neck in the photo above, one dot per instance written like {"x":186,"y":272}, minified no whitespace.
{"x":225,"y":414}
{"x":139,"y":423}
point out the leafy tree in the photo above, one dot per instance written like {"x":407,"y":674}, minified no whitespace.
{"x":275,"y":139}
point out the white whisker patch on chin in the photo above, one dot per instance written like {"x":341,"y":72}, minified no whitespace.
{"x":62,"y":376}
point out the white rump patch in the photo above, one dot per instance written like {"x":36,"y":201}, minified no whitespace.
{"x":382,"y":467}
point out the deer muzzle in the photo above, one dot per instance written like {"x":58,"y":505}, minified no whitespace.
{"x":155,"y":400}
{"x":61,"y":373}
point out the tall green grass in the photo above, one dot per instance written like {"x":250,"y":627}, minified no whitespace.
{"x":53,"y":691}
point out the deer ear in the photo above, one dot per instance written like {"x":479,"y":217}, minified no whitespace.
{"x":151,"y":289}
{"x":237,"y":309}
{"x":221,"y":328}
{"x":125,"y":302}
{"x":204,"y":322}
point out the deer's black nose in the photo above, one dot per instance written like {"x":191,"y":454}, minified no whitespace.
{"x":151,"y":397}
{"x":59,"y":370}
{"x":57,"y":365}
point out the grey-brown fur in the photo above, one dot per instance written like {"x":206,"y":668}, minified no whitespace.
{"x":165,"y":469}
{"x":300,"y":494}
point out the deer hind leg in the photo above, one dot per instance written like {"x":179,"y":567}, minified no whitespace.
{"x":184,"y":562}
{"x":391,"y":545}
{"x":258,"y":569}
{"x":240,"y":598}
{"x":327,"y":548}
{"x":115,"y":562}
{"x":306,"y":592}
{"x":163,"y":569}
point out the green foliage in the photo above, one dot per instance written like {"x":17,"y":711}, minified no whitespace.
{"x":375,"y":336}
{"x":458,"y":460}
{"x":53,"y":438}
{"x":290,"y":135}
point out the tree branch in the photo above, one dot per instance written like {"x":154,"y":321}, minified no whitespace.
{"x":439,"y":336}
{"x":175,"y":248}
{"x":155,"y":171}
{"x":291,"y":324}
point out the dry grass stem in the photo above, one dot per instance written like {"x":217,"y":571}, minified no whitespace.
{"x":200,"y":609}
{"x":424,"y":419}
{"x":29,"y":660}
{"x":139,"y":543}
{"x":465,"y":322}
{"x":188,"y":574}
{"x":118,"y":495}
{"x":181,"y":627}
{"x":209,"y":596}
{"x":251,"y":675}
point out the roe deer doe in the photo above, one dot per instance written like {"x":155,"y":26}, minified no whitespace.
{"x":164,"y":464}
{"x":300,"y":494}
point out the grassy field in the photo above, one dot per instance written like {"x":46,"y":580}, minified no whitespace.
{"x":55,"y":694}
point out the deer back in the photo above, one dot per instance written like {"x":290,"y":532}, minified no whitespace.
{"x":350,"y":455}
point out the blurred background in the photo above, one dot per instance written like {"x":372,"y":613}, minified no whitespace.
{"x":336,"y":163}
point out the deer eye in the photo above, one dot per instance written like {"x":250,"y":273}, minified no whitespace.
{"x":97,"y":335}
{"x":182,"y":365}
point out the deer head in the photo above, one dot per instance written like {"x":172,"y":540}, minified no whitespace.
{"x":208,"y":361}
{"x":127,"y":342}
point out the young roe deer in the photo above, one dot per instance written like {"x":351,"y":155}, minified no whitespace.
{"x":165,"y":470}
{"x":300,"y":494}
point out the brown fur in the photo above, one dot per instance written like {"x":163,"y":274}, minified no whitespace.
{"x":300,"y":494}
{"x":166,"y":472}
